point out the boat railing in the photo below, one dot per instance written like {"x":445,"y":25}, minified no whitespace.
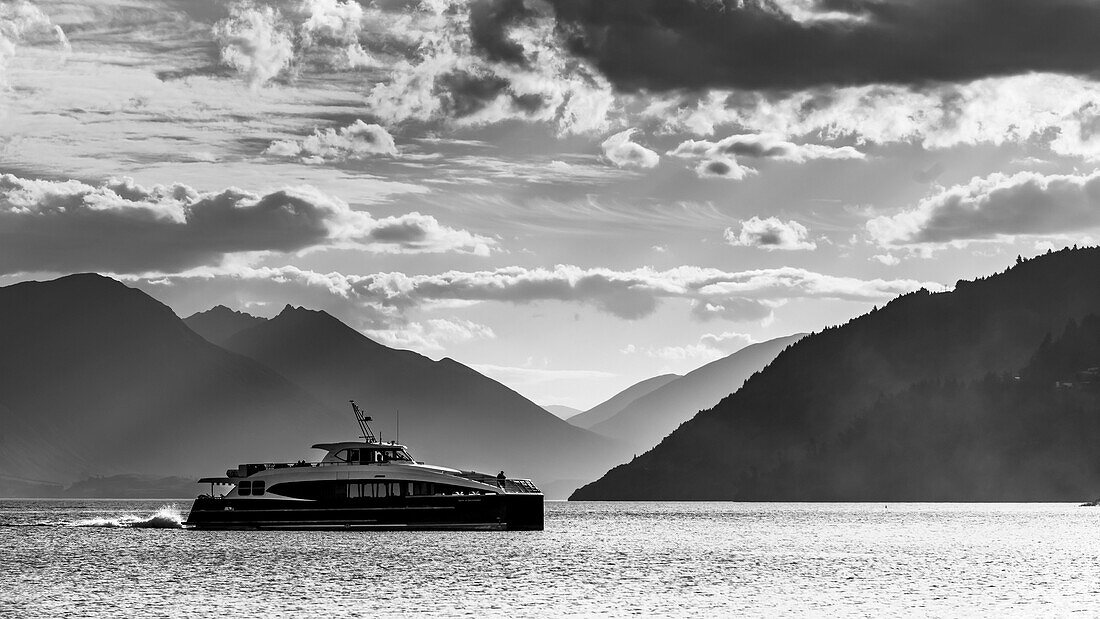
{"x":245,"y":470}
{"x":509,"y":486}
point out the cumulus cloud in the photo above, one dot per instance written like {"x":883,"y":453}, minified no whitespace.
{"x":1057,"y":111}
{"x":626,"y":153}
{"x":334,"y":27}
{"x":660,"y":45}
{"x":123,"y":227}
{"x":256,"y":41}
{"x":997,"y":206}
{"x":762,"y":146}
{"x":461,"y":69}
{"x":771,"y":234}
{"x":20,"y":21}
{"x":356,"y":141}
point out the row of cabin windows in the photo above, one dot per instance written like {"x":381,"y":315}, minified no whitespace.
{"x":368,"y":456}
{"x":328,"y":490}
{"x":381,"y":490}
{"x":250,"y":488}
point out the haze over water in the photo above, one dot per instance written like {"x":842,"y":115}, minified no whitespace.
{"x":96,"y":559}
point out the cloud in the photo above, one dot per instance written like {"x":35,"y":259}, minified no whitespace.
{"x":20,"y":21}
{"x":123,"y":227}
{"x":625,"y":153}
{"x":762,"y":146}
{"x":255,"y":41}
{"x":631,"y":295}
{"x":886,"y":259}
{"x":334,"y":27}
{"x":458,"y":67}
{"x":356,"y":141}
{"x":1056,"y":111}
{"x":661,"y":45}
{"x":432,"y":335}
{"x":723,"y":167}
{"x":771,"y":234}
{"x":997,"y":206}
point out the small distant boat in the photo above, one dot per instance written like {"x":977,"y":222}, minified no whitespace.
{"x":366,"y":485}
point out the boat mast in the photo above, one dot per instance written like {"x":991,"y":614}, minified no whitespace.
{"x":362,"y":418}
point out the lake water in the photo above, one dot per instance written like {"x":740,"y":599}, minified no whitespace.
{"x":129,"y":558}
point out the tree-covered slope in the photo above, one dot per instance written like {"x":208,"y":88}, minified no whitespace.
{"x":896,"y":404}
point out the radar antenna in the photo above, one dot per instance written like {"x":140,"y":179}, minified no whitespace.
{"x":362,"y":418}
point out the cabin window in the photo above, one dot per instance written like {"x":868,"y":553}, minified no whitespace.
{"x":420,"y":488}
{"x":342,"y":455}
{"x":355,"y":491}
{"x":244,"y":488}
{"x":258,"y":488}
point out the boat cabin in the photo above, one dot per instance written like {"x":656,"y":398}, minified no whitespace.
{"x":364,"y":453}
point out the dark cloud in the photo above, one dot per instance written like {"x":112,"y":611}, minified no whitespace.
{"x":718,"y":168}
{"x":754,"y":44}
{"x":753,"y":149}
{"x":489,"y":22}
{"x":530,"y":103}
{"x":465,"y":94}
{"x":997,"y":206}
{"x":122,"y":227}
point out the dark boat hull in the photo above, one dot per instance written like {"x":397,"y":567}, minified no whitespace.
{"x":499,"y":512}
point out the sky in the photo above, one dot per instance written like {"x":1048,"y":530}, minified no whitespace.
{"x":569,"y":196}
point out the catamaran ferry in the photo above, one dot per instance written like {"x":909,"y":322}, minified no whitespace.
{"x":366,"y":484}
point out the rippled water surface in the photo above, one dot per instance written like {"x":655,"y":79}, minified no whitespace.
{"x":129,"y":558}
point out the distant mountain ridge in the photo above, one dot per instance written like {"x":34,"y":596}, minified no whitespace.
{"x":866,"y":411}
{"x":562,"y":412}
{"x":643,"y":422}
{"x":616,"y":403}
{"x":219,"y":323}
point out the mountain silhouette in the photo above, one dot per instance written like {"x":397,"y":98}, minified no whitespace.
{"x":616,"y":403}
{"x":97,"y":378}
{"x":445,"y":411}
{"x":918,"y":400}
{"x":561,"y":411}
{"x":645,"y":421}
{"x":219,"y":323}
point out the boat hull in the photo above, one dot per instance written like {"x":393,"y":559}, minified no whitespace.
{"x":499,"y":512}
